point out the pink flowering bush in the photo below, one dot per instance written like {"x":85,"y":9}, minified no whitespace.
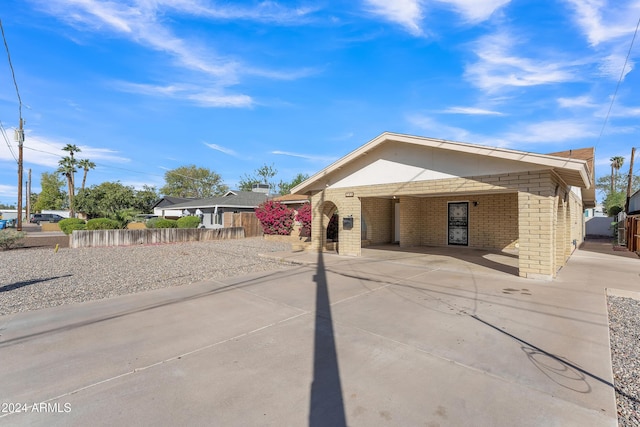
{"x":275,"y":218}
{"x":304,"y":218}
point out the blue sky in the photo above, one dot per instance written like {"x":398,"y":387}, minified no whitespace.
{"x":143,"y":86}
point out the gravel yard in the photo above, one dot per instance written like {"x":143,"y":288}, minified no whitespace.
{"x":624,"y":332}
{"x":35,"y":278}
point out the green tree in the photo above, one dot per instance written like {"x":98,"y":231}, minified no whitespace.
{"x":146,"y":198}
{"x":192,"y":181}
{"x":285,"y":187}
{"x":105,"y":199}
{"x":5,"y":206}
{"x":51,"y":196}
{"x":85,"y":165}
{"x":616,"y":200}
{"x":262,"y":175}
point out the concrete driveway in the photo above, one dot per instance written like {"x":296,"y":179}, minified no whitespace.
{"x":391,"y":338}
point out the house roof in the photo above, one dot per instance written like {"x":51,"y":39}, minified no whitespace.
{"x":170,"y":200}
{"x":588,"y":155}
{"x":573,"y":171}
{"x":291,"y":198}
{"x":232,"y":199}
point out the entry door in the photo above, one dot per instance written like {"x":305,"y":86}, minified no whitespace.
{"x":459,"y":223}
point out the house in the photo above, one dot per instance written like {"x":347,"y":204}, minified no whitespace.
{"x":216,"y":211}
{"x":631,"y":223}
{"x":417,"y":191}
{"x":163,"y":207}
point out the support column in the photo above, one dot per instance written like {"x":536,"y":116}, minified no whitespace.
{"x":535,"y":227}
{"x":409,"y":221}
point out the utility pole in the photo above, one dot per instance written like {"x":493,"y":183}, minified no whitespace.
{"x":28,"y":203}
{"x":20,"y":138}
{"x":633,"y":153}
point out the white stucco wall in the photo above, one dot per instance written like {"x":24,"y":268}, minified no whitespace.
{"x":392,"y":163}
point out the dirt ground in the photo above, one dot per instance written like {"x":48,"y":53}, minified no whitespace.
{"x":606,"y":246}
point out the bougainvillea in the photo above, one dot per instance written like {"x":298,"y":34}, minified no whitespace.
{"x":275,"y":218}
{"x":304,"y":218}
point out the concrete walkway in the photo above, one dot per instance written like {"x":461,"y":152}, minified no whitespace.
{"x":390,"y":338}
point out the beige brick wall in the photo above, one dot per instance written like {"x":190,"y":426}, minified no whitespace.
{"x":493,"y":222}
{"x":411,"y":216}
{"x":379,"y":215}
{"x":524,"y":201}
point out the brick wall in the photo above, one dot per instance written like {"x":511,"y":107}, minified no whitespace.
{"x":525,"y":200}
{"x":379,"y":214}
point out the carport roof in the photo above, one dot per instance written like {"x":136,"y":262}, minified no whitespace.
{"x":574,"y":171}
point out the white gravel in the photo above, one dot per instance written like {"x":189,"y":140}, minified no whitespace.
{"x":624,"y":333}
{"x":32,"y":279}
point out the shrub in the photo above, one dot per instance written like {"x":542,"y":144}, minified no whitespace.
{"x":69,"y":224}
{"x":10,"y":239}
{"x":151,"y":222}
{"x":166,"y":223}
{"x":275,"y":218}
{"x":304,"y":218}
{"x":188,"y":222}
{"x":102,"y":224}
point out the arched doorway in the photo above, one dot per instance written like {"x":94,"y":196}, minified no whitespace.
{"x":331,"y":225}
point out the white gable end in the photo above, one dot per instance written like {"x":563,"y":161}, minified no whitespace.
{"x":393,"y":163}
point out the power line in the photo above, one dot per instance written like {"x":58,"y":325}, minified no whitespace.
{"x":116,"y":167}
{"x":624,"y":67}
{"x":4,"y":135}
{"x":13,"y":74}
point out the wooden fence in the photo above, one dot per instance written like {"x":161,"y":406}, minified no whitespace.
{"x":249,"y":221}
{"x":95,"y":238}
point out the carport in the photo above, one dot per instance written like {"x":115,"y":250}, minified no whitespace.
{"x":415,"y":191}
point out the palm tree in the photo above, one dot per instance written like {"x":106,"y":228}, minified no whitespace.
{"x":616,"y":164}
{"x":85,"y":164}
{"x":67,"y":167}
{"x":71,"y":149}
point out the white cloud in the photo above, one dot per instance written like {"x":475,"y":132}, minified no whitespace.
{"x":305,"y":156}
{"x":45,"y":151}
{"x":195,"y":94}
{"x":440,"y":130}
{"x":407,"y":13}
{"x":472,"y":111}
{"x":606,"y":20}
{"x":221,"y":149}
{"x":265,"y":11}
{"x":143,"y":22}
{"x":8,"y":191}
{"x":498,"y":67}
{"x":545,"y":132}
{"x":552,"y":131}
{"x":578,"y":101}
{"x":611,"y":66}
{"x":476,"y":10}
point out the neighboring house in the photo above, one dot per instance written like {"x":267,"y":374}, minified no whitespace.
{"x":420,"y":191}
{"x":632,"y":223}
{"x":597,"y":222}
{"x":596,"y":212}
{"x":216,"y":211}
{"x":163,"y":207}
{"x":294,"y":201}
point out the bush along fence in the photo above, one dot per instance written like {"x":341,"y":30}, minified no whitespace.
{"x":96,"y":238}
